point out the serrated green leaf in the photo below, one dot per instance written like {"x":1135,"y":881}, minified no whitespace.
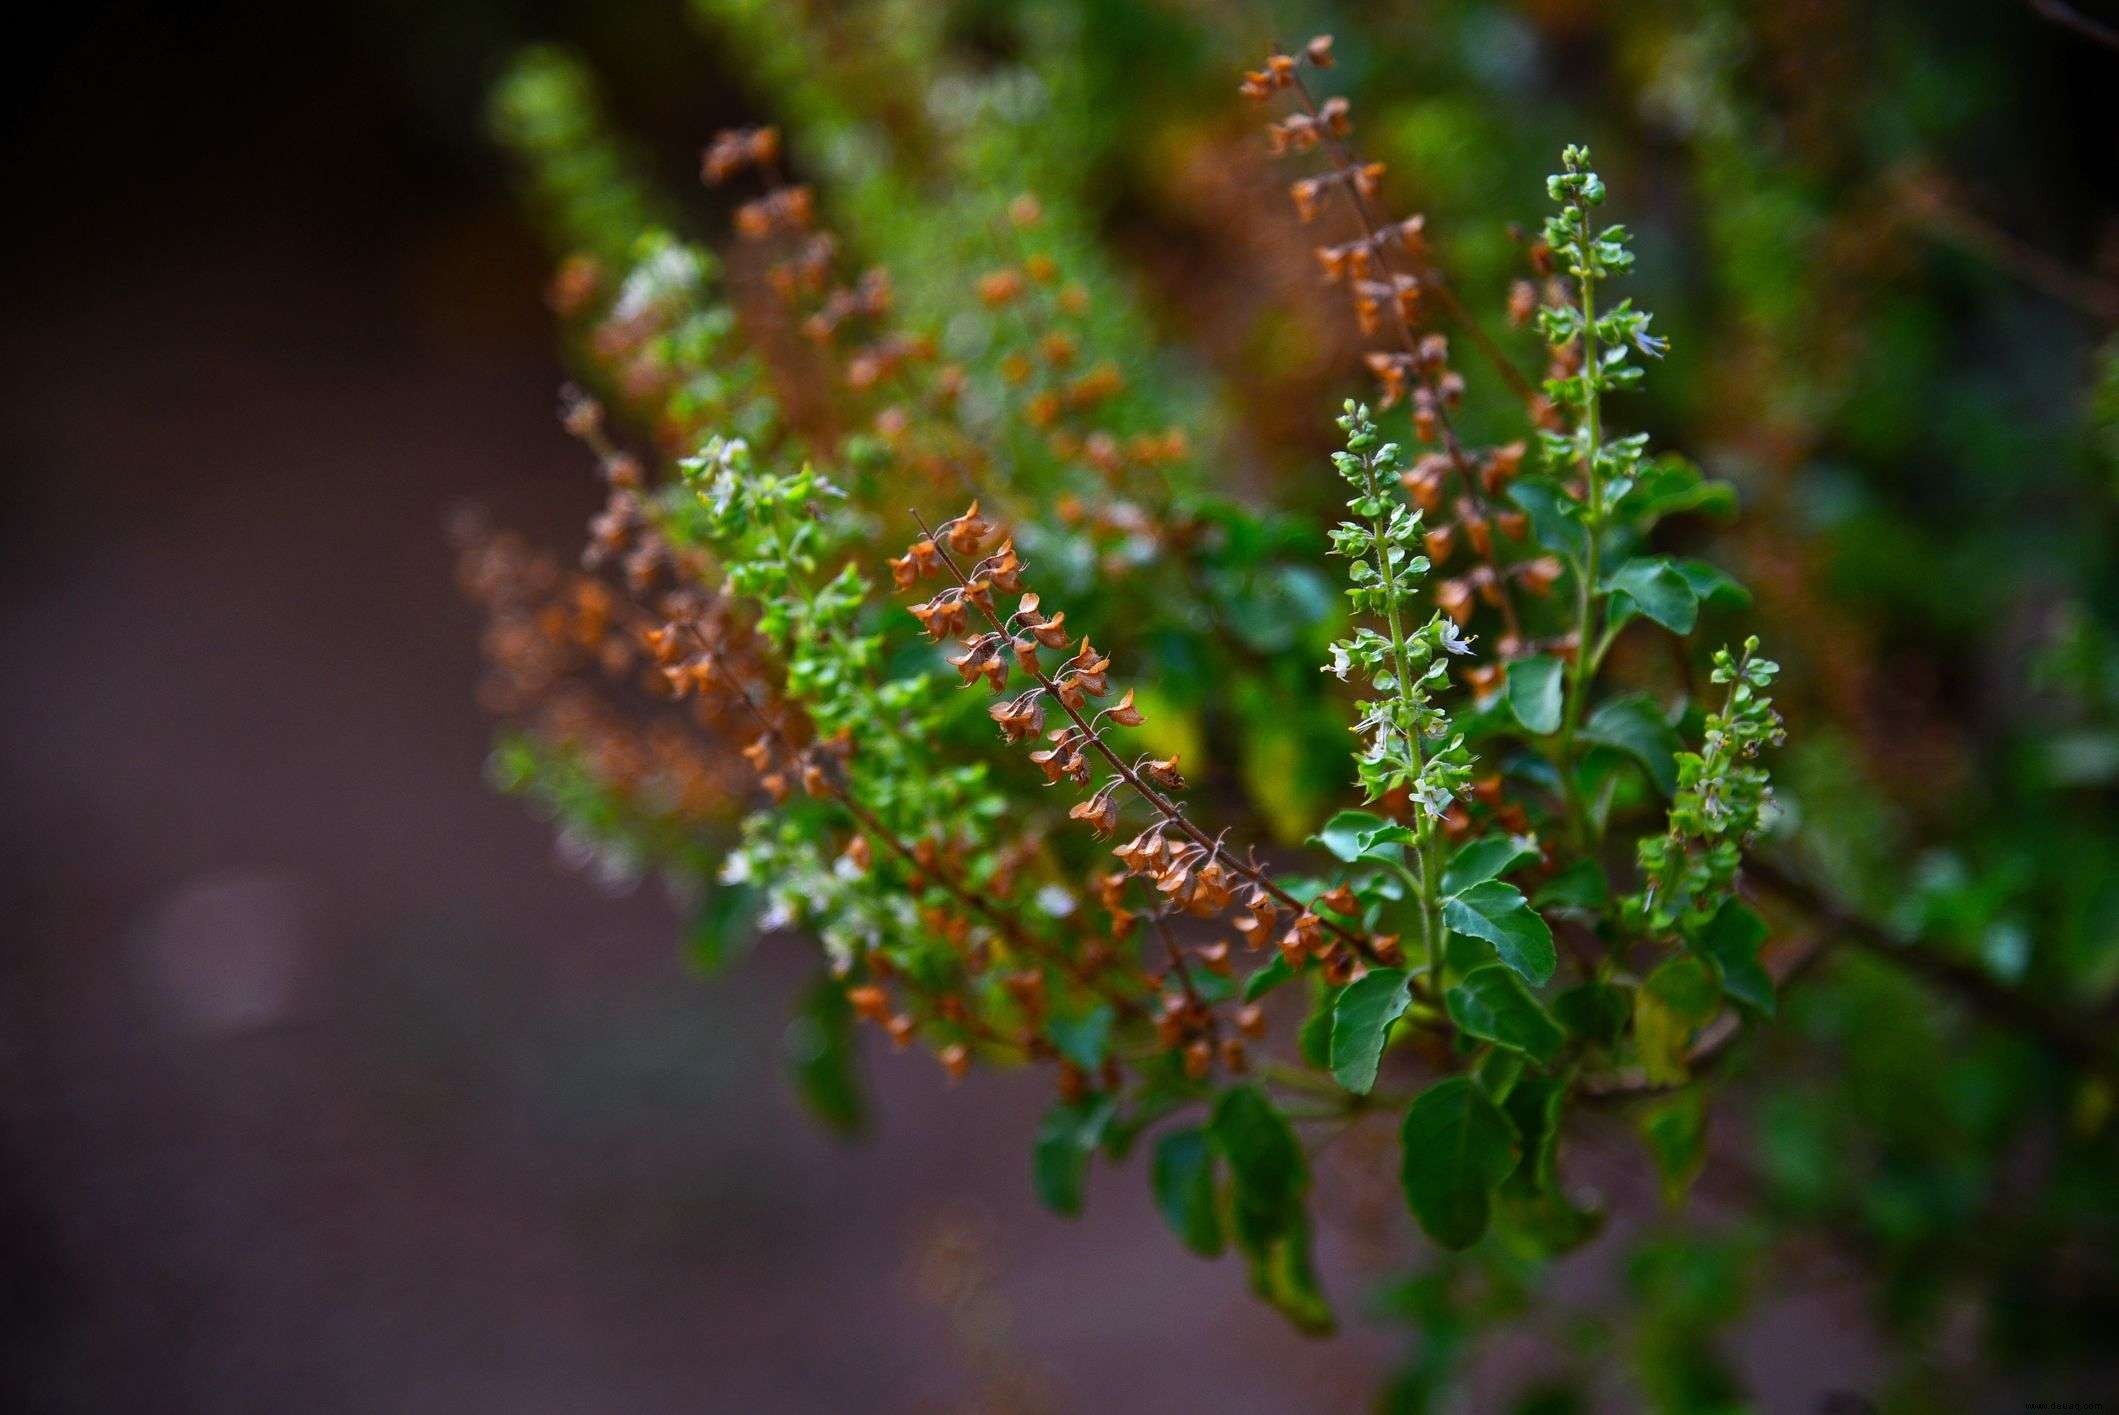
{"x":1492,"y":1004}
{"x":1499,"y":914}
{"x":1458,"y":1146}
{"x":1488,"y":857}
{"x":1536,"y":686}
{"x":1659,"y":591}
{"x":1059,"y":1159}
{"x":1084,"y":1039}
{"x":1182,"y":1177}
{"x":1636,"y":726}
{"x":1361,"y":1021}
{"x":1732,"y":938}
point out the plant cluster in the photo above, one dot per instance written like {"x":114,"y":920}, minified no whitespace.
{"x":1543,"y":896}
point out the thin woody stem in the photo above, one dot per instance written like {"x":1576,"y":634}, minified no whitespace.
{"x":1162,"y":805}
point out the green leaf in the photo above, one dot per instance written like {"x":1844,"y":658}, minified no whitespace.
{"x":1660,"y":591}
{"x":1534,"y":1108}
{"x":1488,"y":857}
{"x":1732,"y":938}
{"x":1361,"y":1020}
{"x":1458,"y":1147}
{"x":1492,"y":1004}
{"x":1499,"y":914}
{"x":1686,"y":986}
{"x":821,"y":1053}
{"x":1668,"y":1008}
{"x":1283,"y":1276}
{"x":1552,"y":516}
{"x":1676,"y":1132}
{"x":1264,"y":1157}
{"x":1595,"y":1012}
{"x":1670,"y":485}
{"x":1085,"y":1039}
{"x":1715,"y":587}
{"x":1183,"y":1179}
{"x":1347,"y":833}
{"x":1535,"y":687}
{"x":1636,"y":726}
{"x":721,"y":927}
{"x":1580,"y":886}
{"x":1314,"y":1037}
{"x":1060,"y":1158}
{"x":1497,"y":1072}
{"x":1275,"y":972}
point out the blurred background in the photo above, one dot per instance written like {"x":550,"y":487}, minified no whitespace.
{"x":331,"y":1085}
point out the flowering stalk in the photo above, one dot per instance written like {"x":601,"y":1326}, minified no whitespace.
{"x":1590,"y":355}
{"x":1402,"y":668}
{"x":1722,"y":794}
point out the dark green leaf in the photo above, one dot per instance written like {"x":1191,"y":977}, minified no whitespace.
{"x":1084,"y":1039}
{"x":1457,"y":1147}
{"x":1065,"y":1140}
{"x":1668,"y":1008}
{"x":1534,"y":1108}
{"x":721,"y":927}
{"x":1488,"y":857}
{"x":1263,"y":1154}
{"x":822,"y":1055}
{"x":1715,"y":587}
{"x":1676,"y":1132}
{"x":1499,"y":914}
{"x":1580,"y":886}
{"x":1636,"y":726}
{"x":1283,"y":1276}
{"x":1595,"y":1012}
{"x":1492,"y":1004}
{"x":1314,"y":1037}
{"x":1552,"y":516}
{"x":1361,"y":1021}
{"x":1670,"y":485}
{"x":1498,"y":1070}
{"x":1183,"y":1179}
{"x":1535,"y":688}
{"x":1275,"y":972}
{"x":1732,"y":938}
{"x":1660,"y":592}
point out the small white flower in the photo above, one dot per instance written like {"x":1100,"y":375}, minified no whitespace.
{"x":1433,"y":798}
{"x":1455,"y":639}
{"x":1055,"y":901}
{"x":1340,"y":664}
{"x":735,"y":869}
